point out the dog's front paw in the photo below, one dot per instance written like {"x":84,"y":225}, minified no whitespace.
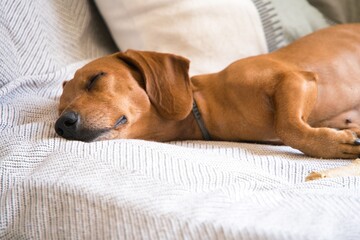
{"x":331,"y":143}
{"x":315,"y":176}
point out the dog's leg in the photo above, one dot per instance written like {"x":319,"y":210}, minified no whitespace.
{"x":294,"y":99}
{"x":353,"y":169}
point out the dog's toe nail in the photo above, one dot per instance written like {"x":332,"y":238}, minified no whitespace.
{"x":357,"y":142}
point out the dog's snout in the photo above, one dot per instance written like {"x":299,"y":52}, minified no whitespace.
{"x":67,"y":125}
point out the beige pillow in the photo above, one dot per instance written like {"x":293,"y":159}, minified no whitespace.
{"x":211,"y":33}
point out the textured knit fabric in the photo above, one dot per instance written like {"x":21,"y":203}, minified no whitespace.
{"x":52,"y":188}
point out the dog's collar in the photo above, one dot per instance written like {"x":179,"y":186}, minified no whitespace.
{"x":200,"y":122}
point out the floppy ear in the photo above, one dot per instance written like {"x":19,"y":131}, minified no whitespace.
{"x":167,"y":81}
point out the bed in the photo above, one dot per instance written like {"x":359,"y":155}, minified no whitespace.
{"x":52,"y":188}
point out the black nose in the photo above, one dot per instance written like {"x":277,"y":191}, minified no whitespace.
{"x":67,"y":125}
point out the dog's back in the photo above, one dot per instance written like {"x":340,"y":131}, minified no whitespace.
{"x":326,"y":49}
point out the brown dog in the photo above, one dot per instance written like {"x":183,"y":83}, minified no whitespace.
{"x":306,"y":95}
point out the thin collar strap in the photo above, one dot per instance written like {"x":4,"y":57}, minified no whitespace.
{"x":200,"y":122}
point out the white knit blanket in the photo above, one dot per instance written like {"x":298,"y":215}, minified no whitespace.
{"x":52,"y":188}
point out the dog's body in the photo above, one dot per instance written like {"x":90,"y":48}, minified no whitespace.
{"x":313,"y":82}
{"x":306,"y":95}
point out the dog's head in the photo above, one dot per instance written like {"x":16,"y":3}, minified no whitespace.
{"x":125,"y":95}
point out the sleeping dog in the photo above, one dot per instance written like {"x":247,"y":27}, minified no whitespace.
{"x":305,"y":95}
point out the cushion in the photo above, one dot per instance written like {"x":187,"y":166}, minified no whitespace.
{"x":340,"y":11}
{"x":298,"y":18}
{"x":211,"y":33}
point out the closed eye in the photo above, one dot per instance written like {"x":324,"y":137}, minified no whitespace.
{"x":122,"y":120}
{"x":93,"y":79}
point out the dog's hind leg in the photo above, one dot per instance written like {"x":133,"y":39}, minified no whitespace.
{"x":294,"y":99}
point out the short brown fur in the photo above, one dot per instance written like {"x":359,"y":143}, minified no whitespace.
{"x":305,"y":95}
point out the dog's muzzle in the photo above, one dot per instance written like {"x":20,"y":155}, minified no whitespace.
{"x":70,"y":125}
{"x":67,"y":125}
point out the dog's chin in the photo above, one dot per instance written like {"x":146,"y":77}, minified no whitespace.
{"x":108,"y":135}
{"x":92,"y":135}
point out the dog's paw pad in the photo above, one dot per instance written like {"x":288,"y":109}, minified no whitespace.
{"x":315,"y":176}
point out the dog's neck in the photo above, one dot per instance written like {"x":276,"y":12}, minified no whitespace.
{"x":190,"y":128}
{"x":200,"y":112}
{"x":187,"y":129}
{"x":193,"y":127}
{"x":200,"y":122}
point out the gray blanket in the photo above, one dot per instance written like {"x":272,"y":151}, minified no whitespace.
{"x":51,"y":188}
